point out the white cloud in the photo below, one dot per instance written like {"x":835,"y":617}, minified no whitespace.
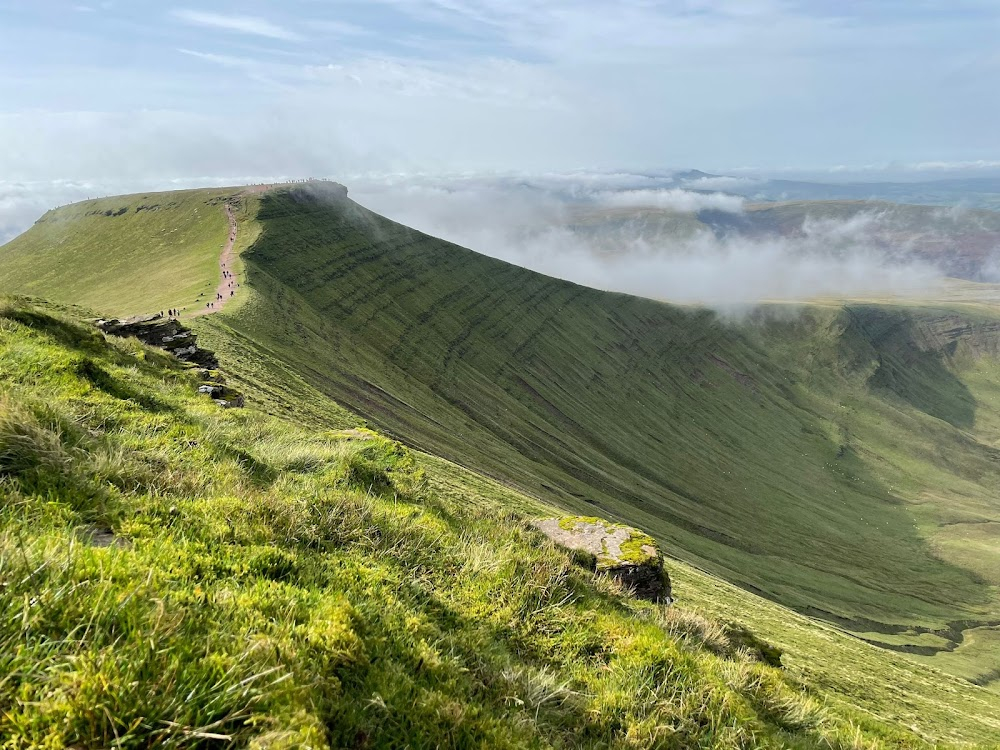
{"x":938,"y":166}
{"x":228,"y":61}
{"x":495,"y":81}
{"x":566,"y":83}
{"x":674,"y":199}
{"x":720,"y":182}
{"x":157,"y":147}
{"x":535,"y":229}
{"x":239,"y":24}
{"x":339,"y":28}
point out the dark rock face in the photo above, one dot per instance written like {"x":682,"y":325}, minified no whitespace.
{"x":165,"y":333}
{"x":621,"y":552}
{"x":647,"y":579}
{"x":171,"y":336}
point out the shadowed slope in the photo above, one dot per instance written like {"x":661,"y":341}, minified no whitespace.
{"x":726,"y":442}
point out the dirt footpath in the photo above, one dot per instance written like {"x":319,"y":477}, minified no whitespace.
{"x":228,"y":283}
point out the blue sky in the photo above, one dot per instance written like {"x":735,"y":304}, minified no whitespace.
{"x":143,"y":90}
{"x":438,"y":112}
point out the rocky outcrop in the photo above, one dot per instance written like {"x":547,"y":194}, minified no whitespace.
{"x":165,"y":333}
{"x":619,"y":551}
{"x":171,"y":336}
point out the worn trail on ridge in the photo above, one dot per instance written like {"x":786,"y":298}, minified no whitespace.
{"x":228,"y":281}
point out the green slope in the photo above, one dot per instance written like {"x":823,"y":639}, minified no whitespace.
{"x":124,"y":255}
{"x":841,"y":461}
{"x":266,"y":586}
{"x":406,"y":603}
{"x":746,"y":449}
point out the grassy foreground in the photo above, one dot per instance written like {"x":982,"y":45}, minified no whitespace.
{"x":177,"y":575}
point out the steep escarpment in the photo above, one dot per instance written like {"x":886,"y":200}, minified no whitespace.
{"x":733,"y":443}
{"x":179,"y":575}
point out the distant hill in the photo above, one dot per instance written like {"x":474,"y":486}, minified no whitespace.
{"x":969,"y":192}
{"x":962,"y":243}
{"x":122,"y":255}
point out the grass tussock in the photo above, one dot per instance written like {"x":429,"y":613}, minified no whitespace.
{"x":280,"y":588}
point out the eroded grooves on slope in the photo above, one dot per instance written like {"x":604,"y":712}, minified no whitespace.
{"x":593,"y":398}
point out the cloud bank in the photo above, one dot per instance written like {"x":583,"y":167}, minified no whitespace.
{"x":675,"y":199}
{"x":617,"y":231}
{"x":540,"y":230}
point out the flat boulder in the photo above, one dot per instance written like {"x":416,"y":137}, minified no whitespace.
{"x":622,"y":552}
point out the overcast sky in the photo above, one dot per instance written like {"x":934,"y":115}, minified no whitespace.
{"x":146,"y":89}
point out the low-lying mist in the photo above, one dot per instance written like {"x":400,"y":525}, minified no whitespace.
{"x":651,"y":242}
{"x":676,"y":238}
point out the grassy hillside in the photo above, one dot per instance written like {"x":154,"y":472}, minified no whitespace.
{"x":815,"y":460}
{"x":838,"y":460}
{"x":812,"y":460}
{"x":124,"y":255}
{"x":178,"y":575}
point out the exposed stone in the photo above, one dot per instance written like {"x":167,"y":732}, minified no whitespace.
{"x":177,"y":339}
{"x":169,"y":334}
{"x":97,"y":536}
{"x":231,"y":401}
{"x":619,"y":551}
{"x":202,"y":358}
{"x":166,"y":333}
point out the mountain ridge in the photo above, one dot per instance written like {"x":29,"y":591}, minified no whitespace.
{"x":695,"y":429}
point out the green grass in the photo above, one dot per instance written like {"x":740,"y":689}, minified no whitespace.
{"x":774,"y":453}
{"x":754,"y":450}
{"x":977,"y":659}
{"x":124,"y":255}
{"x":840,"y":460}
{"x":278,"y":587}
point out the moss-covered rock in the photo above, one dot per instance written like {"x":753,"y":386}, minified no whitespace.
{"x":620,"y":551}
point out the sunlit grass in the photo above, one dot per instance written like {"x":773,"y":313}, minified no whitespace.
{"x":273,"y":587}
